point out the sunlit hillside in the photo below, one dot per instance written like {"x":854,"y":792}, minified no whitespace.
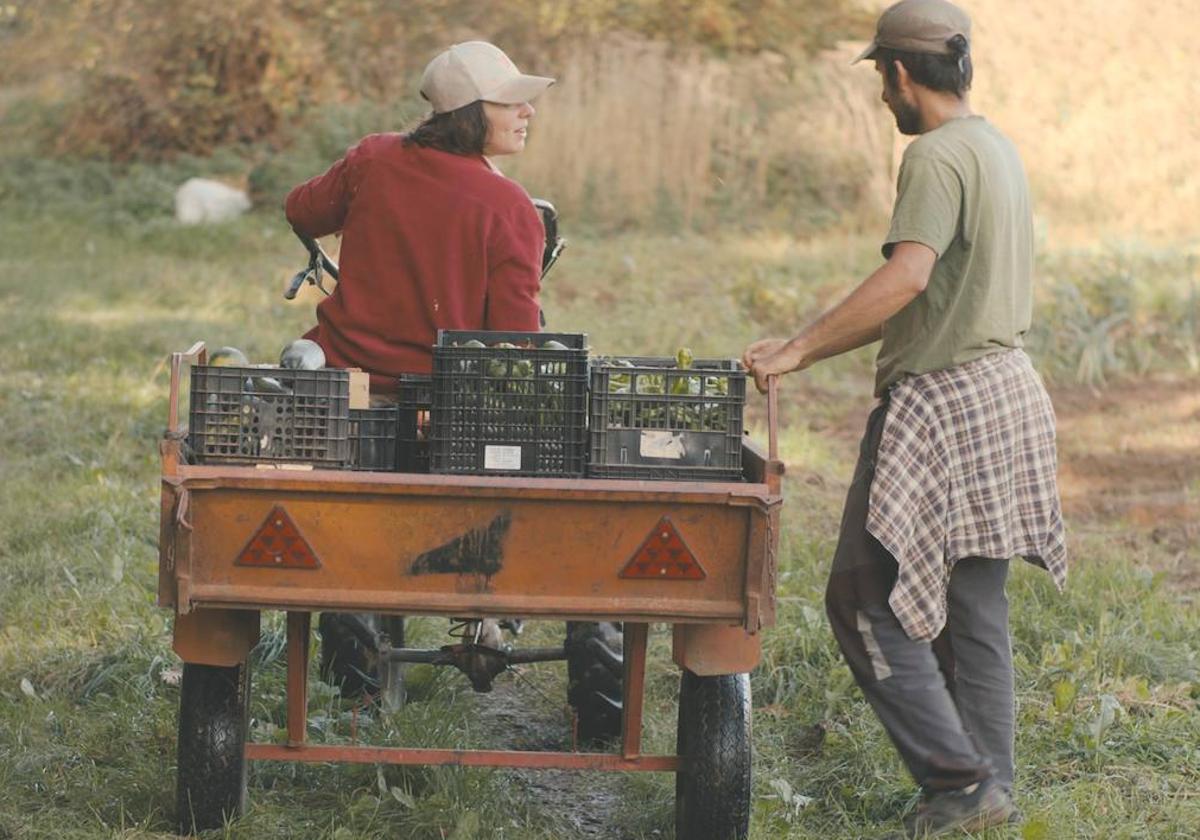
{"x":1102,"y":97}
{"x":699,"y":115}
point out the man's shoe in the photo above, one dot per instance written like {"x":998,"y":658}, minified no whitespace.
{"x":973,"y":808}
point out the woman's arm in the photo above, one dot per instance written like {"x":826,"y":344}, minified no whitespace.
{"x":318,"y":206}
{"x":514,"y":270}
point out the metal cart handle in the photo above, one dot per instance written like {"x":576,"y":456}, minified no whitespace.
{"x":196,"y":354}
{"x":773,"y":418}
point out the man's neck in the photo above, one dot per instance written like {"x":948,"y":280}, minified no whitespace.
{"x":939,"y":108}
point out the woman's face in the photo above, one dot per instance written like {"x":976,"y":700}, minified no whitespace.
{"x":506,"y":127}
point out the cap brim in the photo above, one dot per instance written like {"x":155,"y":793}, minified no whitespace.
{"x":868,"y":52}
{"x":518,"y":90}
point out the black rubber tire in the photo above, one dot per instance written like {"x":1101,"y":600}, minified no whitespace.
{"x":595,"y":678}
{"x":712,"y":786}
{"x":350,"y":649}
{"x":213,"y":725}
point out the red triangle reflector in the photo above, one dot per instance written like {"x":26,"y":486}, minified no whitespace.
{"x":278,"y":545}
{"x":664,"y":556}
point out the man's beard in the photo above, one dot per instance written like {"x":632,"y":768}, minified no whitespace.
{"x":908,"y":117}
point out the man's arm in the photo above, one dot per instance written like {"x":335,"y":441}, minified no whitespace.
{"x":856,"y":321}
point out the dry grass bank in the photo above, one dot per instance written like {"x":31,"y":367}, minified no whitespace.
{"x":636,"y":129}
{"x":1099,"y":96}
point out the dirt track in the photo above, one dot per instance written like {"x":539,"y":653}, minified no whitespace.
{"x":528,"y":720}
{"x":1130,"y":464}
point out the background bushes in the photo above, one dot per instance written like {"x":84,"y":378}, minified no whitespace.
{"x":705,"y":114}
{"x":666,"y":113}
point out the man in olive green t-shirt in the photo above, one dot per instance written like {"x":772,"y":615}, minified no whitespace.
{"x":956,"y":473}
{"x":962,"y":194}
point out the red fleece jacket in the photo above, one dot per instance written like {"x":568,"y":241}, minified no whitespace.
{"x":430,"y":240}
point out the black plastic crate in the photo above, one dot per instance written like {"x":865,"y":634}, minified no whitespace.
{"x":250,"y":415}
{"x":414,"y":401}
{"x":651,"y":419}
{"x":373,"y":438}
{"x":517,"y":410}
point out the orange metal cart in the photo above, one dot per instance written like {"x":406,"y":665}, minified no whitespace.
{"x":237,"y":540}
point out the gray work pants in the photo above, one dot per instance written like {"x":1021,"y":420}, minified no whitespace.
{"x":947,"y":705}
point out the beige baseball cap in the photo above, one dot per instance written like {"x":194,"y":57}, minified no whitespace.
{"x":920,"y":26}
{"x":476,"y":70}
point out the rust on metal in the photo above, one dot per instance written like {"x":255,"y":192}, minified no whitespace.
{"x":228,"y":476}
{"x":278,"y":544}
{"x":535,"y":760}
{"x":477,"y":552}
{"x":711,"y":649}
{"x":669,"y":607}
{"x":167,"y":530}
{"x":758,"y":590}
{"x":562,"y":557}
{"x":663,"y":555}
{"x":633,"y":689}
{"x":298,"y":625}
{"x":216,"y":637}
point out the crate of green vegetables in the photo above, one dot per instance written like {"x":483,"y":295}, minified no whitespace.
{"x":674,"y":419}
{"x":509,"y":403}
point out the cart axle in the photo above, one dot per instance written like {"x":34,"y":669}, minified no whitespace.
{"x":481,"y":663}
{"x":446,"y":655}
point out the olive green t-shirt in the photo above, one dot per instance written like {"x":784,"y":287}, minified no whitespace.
{"x":962,"y":191}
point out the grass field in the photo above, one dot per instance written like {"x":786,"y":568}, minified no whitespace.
{"x":98,"y":285}
{"x":1108,"y":673}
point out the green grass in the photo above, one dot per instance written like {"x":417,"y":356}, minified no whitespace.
{"x":98,"y":288}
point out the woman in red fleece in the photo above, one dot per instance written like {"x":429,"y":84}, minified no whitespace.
{"x":433,"y":236}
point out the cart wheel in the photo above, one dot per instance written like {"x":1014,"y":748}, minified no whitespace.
{"x":350,"y":649}
{"x":712,"y":786}
{"x":213,"y":721}
{"x":595,"y":675}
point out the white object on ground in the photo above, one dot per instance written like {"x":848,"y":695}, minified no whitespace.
{"x":200,"y":200}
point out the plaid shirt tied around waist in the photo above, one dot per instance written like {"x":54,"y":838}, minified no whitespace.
{"x":967,"y":467}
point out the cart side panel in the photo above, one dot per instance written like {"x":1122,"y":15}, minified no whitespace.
{"x":463,"y":555}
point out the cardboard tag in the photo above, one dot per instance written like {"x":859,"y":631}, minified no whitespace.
{"x":360,"y":389}
{"x":502,"y":457}
{"x":660,"y":444}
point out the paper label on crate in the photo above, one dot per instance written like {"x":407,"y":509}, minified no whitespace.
{"x":659,"y":444}
{"x":360,"y":389}
{"x":502,"y":457}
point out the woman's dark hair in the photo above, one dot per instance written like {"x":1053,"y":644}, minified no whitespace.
{"x":947,"y":73}
{"x":462,"y":131}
